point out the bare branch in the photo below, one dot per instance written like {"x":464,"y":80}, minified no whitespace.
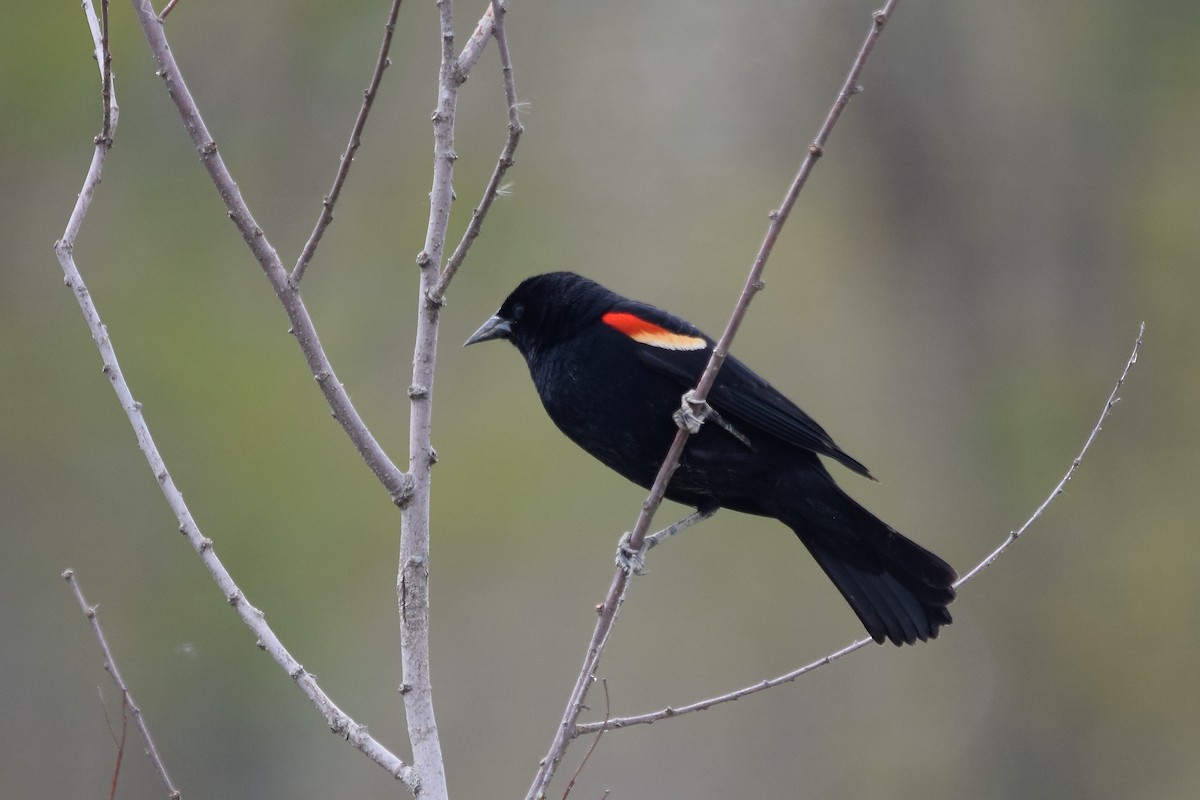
{"x":106,"y":77}
{"x":326,"y":216}
{"x":592,"y":748}
{"x":394,"y":481}
{"x":120,"y":742}
{"x":110,"y":664}
{"x":669,"y":712}
{"x":694,"y":405}
{"x":103,"y":142}
{"x":479,"y":38}
{"x":338,"y":721}
{"x":505,"y":160}
{"x":412,"y":583}
{"x":1108,"y":407}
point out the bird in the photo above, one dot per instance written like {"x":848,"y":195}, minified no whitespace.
{"x":610,"y":373}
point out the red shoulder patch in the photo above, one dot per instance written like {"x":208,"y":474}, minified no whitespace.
{"x":646,"y":332}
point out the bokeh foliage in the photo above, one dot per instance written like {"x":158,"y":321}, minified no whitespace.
{"x":1014,"y":191}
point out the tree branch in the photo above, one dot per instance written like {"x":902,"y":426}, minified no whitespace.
{"x":412,"y":582}
{"x":398,"y":484}
{"x":326,"y":216}
{"x":338,"y":721}
{"x":515,"y":129}
{"x":110,"y":665}
{"x":694,"y":405}
{"x":670,"y":712}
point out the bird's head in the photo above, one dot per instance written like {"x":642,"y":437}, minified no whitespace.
{"x":545,"y":310}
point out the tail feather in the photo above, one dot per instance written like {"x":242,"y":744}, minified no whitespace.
{"x":888,"y":606}
{"x":898,"y":589}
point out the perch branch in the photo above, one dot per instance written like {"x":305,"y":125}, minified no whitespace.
{"x":669,"y":712}
{"x":694,"y":402}
{"x":110,"y":665}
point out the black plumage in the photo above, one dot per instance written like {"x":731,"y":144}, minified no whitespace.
{"x":610,"y":373}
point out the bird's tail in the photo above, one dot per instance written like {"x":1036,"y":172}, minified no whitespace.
{"x":898,"y":589}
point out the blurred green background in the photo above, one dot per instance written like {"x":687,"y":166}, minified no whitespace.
{"x":956,"y":293}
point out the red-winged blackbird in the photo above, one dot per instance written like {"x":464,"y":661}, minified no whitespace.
{"x":611,"y":371}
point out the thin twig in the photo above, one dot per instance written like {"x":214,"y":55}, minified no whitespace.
{"x":505,"y":160}
{"x":162,"y":17}
{"x":110,"y":664}
{"x":338,"y":721}
{"x":106,"y":77}
{"x":592,"y":748}
{"x":670,"y":712}
{"x":103,"y":142}
{"x":695,"y":403}
{"x":120,"y":742}
{"x":339,"y":180}
{"x":1108,"y":407}
{"x":397,"y":484}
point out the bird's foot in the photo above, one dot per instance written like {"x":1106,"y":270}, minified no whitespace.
{"x":692,"y":412}
{"x":631,"y":560}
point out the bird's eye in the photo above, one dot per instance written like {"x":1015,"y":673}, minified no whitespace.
{"x":518,"y":310}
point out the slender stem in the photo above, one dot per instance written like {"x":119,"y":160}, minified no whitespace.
{"x":671,"y":712}
{"x":106,"y":76}
{"x":326,"y":216}
{"x":1058,"y":489}
{"x":110,"y":665}
{"x":694,"y":402}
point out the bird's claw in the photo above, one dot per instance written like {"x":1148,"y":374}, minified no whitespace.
{"x":632,"y":561}
{"x":692,"y":412}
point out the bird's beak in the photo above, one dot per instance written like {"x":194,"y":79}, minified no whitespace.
{"x":495,"y":328}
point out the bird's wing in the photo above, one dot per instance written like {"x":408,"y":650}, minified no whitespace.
{"x":742,"y":394}
{"x":676,"y":349}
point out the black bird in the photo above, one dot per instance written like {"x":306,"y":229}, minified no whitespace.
{"x":611,"y":371}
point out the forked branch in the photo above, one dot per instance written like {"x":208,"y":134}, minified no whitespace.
{"x":397,"y":484}
{"x":338,"y":721}
{"x":671,"y":712}
{"x":505,"y":160}
{"x":110,"y":666}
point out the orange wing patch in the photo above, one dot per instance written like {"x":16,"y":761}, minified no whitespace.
{"x":646,"y":332}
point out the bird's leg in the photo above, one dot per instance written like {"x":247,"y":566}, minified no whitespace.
{"x":693,"y":413}
{"x":634,"y":561}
